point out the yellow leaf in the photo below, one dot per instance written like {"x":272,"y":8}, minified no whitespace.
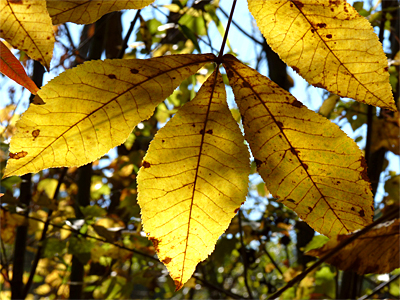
{"x":305,"y":160}
{"x":193,"y":180}
{"x":88,"y":11}
{"x":377,"y":251}
{"x":92,"y":108}
{"x":26,"y":25}
{"x":329,"y":44}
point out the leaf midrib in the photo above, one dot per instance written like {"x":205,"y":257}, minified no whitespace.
{"x":334,"y":54}
{"x":197,"y":171}
{"x":107,"y":103}
{"x":290,"y":144}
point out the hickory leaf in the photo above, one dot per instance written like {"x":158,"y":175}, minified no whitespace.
{"x":193,"y":179}
{"x":12,"y":68}
{"x":88,"y":11}
{"x":26,"y":25}
{"x":92,"y":108}
{"x":377,"y":251}
{"x":329,"y":44}
{"x":306,"y":161}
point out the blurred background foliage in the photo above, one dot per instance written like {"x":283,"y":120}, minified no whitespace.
{"x":92,"y":246}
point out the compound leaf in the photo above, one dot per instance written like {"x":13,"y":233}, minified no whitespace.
{"x":329,"y":44}
{"x":88,"y":11}
{"x":92,"y":108}
{"x":193,"y":179}
{"x":306,"y":161}
{"x":377,"y":251}
{"x":26,"y":25}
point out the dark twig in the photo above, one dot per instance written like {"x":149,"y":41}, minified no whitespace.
{"x":128,"y":35}
{"x":272,"y":260}
{"x":379,"y":287}
{"x":221,"y":52}
{"x":334,"y":251}
{"x":244,"y":256}
{"x":43,"y":237}
{"x":217,"y":288}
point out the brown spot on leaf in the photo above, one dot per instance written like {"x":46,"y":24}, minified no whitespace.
{"x":280,"y":124}
{"x":162,"y":141}
{"x":296,"y":69}
{"x":332,"y":9}
{"x":112,"y":76}
{"x":321,"y":25}
{"x":167,"y":260}
{"x":178,"y":285}
{"x":329,"y":36}
{"x":291,"y":200}
{"x":309,"y":208}
{"x":35,"y":133}
{"x":319,"y":85}
{"x":258,"y":162}
{"x":246,"y":84}
{"x":48,"y":38}
{"x":305,"y":166}
{"x":297,"y":103}
{"x":210,"y":131}
{"x":193,"y":125}
{"x":312,"y":30}
{"x":386,"y":69}
{"x":202,"y":131}
{"x":352,"y":208}
{"x":134,"y":71}
{"x":16,"y":1}
{"x":155,"y":243}
{"x":18,"y":155}
{"x":364,"y":173}
{"x":236,"y":210}
{"x":361,"y":213}
{"x":146,"y":164}
{"x":299,"y":4}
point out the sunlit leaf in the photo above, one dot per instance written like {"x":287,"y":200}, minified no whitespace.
{"x":12,"y":68}
{"x":193,"y":180}
{"x":92,"y":108}
{"x":305,"y":160}
{"x":377,"y":251}
{"x":88,"y":11}
{"x":329,"y":44}
{"x":26,"y":25}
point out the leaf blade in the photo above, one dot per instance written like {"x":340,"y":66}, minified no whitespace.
{"x":26,"y":25}
{"x":304,"y":159}
{"x":203,"y":179}
{"x":313,"y":38}
{"x":92,"y":108}
{"x":12,"y":68}
{"x":89,"y":11}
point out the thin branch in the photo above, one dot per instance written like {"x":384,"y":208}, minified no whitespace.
{"x":244,"y":255}
{"x":272,"y":260}
{"x":228,"y":293}
{"x":43,"y":237}
{"x":334,"y":251}
{"x":69,"y":35}
{"x":379,"y":287}
{"x":241,"y":29}
{"x":128,"y":35}
{"x":217,"y":288}
{"x":221,"y":52}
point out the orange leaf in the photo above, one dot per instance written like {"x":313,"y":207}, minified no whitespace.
{"x":12,"y":68}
